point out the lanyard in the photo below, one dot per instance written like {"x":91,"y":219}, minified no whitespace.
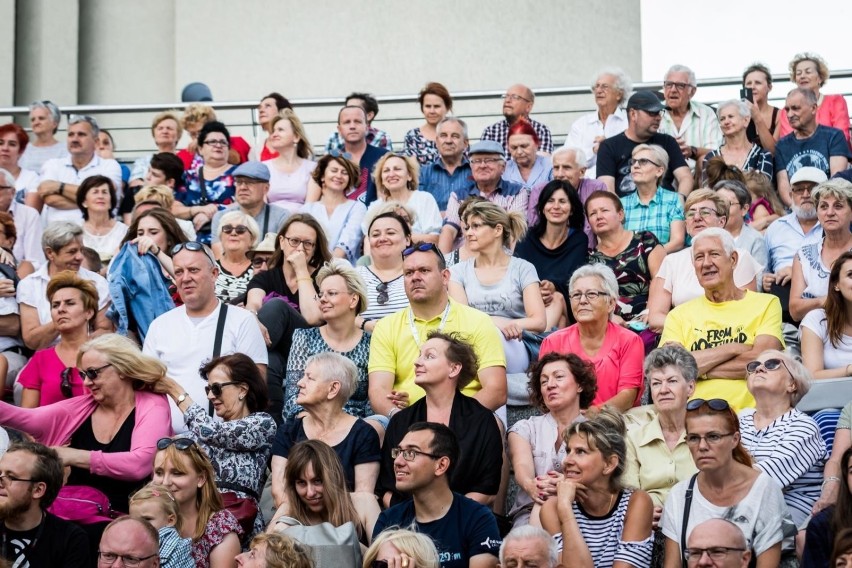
{"x":414,"y":332}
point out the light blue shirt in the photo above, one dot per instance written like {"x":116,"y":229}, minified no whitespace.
{"x":784,"y":238}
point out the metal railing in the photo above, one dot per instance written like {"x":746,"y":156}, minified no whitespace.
{"x":558,"y":107}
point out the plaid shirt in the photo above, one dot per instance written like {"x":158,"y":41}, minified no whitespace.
{"x":700,"y":128}
{"x":656,"y":217}
{"x":375,"y":137}
{"x":499,"y":132}
{"x":509,"y":195}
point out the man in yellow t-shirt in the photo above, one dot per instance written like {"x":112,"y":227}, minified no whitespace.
{"x":727,"y":327}
{"x":397,"y":338}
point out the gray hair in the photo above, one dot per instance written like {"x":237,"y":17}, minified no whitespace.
{"x":742,"y":107}
{"x":671,"y":356}
{"x":622,"y":81}
{"x":239,"y":217}
{"x":459,"y":121}
{"x":336,"y":367}
{"x":526,"y":532}
{"x":78,"y":118}
{"x":738,"y":188}
{"x":802,"y":378}
{"x":715,"y":233}
{"x":809,"y":95}
{"x":683,"y":69}
{"x":837,"y":188}
{"x":51,"y":108}
{"x":600,"y":271}
{"x":59,"y":233}
{"x":659,"y":153}
{"x":579,"y":156}
{"x":10,"y":179}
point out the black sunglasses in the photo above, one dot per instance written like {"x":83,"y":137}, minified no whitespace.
{"x":383,"y":297}
{"x":65,"y":385}
{"x":769,"y":365}
{"x":180,"y":443}
{"x":216,"y":388}
{"x":91,"y":373}
{"x":716,"y":404}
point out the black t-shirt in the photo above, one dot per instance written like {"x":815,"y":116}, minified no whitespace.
{"x":54,"y":543}
{"x":614,"y":160}
{"x":273,"y":281}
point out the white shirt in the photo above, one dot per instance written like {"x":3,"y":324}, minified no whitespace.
{"x":106,"y":245}
{"x":678,"y":273}
{"x":28,"y":227}
{"x":184,"y":343}
{"x":63,"y":171}
{"x":588,"y":127}
{"x":32,"y":291}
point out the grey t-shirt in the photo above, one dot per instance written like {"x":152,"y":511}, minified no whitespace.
{"x":503,"y":299}
{"x":277,"y":216}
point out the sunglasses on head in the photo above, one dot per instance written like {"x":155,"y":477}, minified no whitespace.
{"x":716,"y":404}
{"x":335,"y":153}
{"x":91,"y":373}
{"x":769,"y":365}
{"x":182,"y":444}
{"x":422,"y":247}
{"x":194,"y":246}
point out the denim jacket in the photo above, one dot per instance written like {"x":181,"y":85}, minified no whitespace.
{"x":138,"y":290}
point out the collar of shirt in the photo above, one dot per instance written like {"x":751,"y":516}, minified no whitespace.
{"x":93,"y":163}
{"x":652,"y":432}
{"x":437,"y":318}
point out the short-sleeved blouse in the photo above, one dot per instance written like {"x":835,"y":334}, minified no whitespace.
{"x":814,"y":270}
{"x":832,"y":357}
{"x":633,"y":272}
{"x":289,"y":190}
{"x":342,"y":227}
{"x":504,"y":298}
{"x":219,"y":525}
{"x":420,"y":147}
{"x":106,"y":245}
{"x":758,"y":159}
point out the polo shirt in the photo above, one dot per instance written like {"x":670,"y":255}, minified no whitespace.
{"x":655,"y":216}
{"x":437,"y":180}
{"x":700,"y":127}
{"x":784,"y":237}
{"x":63,"y":171}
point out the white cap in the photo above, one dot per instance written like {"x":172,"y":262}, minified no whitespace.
{"x":808,"y":173}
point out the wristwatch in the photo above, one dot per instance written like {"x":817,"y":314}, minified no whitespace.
{"x":182,"y":398}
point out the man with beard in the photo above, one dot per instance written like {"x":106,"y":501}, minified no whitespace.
{"x":30,"y":478}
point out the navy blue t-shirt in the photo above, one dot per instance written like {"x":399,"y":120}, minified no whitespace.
{"x":614,"y":160}
{"x":467,"y":530}
{"x":816,"y":151}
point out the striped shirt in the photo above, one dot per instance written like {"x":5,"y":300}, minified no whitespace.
{"x":699,"y":128}
{"x":602,"y":536}
{"x":396,"y":301}
{"x":792,"y":452}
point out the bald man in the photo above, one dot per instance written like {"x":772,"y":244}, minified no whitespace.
{"x":518,"y":103}
{"x":719,"y":543}
{"x":132,"y":540}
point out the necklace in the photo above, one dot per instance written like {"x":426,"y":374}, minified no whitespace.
{"x":328,"y":430}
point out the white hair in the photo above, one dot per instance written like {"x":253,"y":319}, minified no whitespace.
{"x":716,"y":233}
{"x":742,"y":107}
{"x":579,"y":156}
{"x":237,"y":216}
{"x":601,"y":271}
{"x":683,"y":69}
{"x":622,"y":82}
{"x":529,"y":532}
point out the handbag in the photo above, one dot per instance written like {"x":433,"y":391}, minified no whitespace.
{"x":243,"y":508}
{"x":83,"y":504}
{"x":330,"y":545}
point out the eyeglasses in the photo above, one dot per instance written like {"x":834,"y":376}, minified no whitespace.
{"x":383,"y":296}
{"x":239,"y":229}
{"x":769,"y":365}
{"x":2,"y":187}
{"x":216,"y":388}
{"x":803,"y":188}
{"x":180,"y":443}
{"x":674,"y":85}
{"x":410,"y":455}
{"x":330,"y":295}
{"x":294,"y":242}
{"x":484,"y":161}
{"x":109,"y":558}
{"x":6,"y":478}
{"x":716,"y":553}
{"x":216,"y":143}
{"x":712,"y":438}
{"x":717,"y":404}
{"x":590,"y":295}
{"x":92,"y":373}
{"x":514,"y":98}
{"x":475,"y":226}
{"x":259,"y":261}
{"x":247,"y":181}
{"x":335,"y":153}
{"x":704,"y":213}
{"x":601,"y":86}
{"x":65,"y":385}
{"x":193,"y":246}
{"x":642,"y":162}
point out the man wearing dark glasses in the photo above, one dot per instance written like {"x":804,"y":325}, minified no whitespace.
{"x":727,"y":327}
{"x":184,"y":337}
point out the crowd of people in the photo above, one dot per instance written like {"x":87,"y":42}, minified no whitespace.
{"x":448,"y":354}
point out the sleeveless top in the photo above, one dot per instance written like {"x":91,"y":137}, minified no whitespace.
{"x":632,"y":272}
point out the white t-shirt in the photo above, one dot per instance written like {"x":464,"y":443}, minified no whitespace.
{"x":678,"y":273}
{"x":832,"y":357}
{"x":28,"y":226}
{"x":26,"y":182}
{"x":8,"y":306}
{"x":62,"y":170}
{"x":34,"y":157}
{"x":32,"y":291}
{"x":185,"y":343}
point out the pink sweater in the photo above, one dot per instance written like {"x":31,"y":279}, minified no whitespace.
{"x":53,"y":425}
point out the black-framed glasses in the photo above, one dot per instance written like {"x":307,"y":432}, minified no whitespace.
{"x":216,"y":388}
{"x":712,"y":438}
{"x":770,"y":365}
{"x":484,"y":161}
{"x":675,"y":85}
{"x":109,"y":558}
{"x":9,"y":478}
{"x":65,"y":385}
{"x":410,"y":455}
{"x":216,"y":143}
{"x":803,"y":188}
{"x":294,"y":242}
{"x":259,"y":261}
{"x":239,"y":229}
{"x":642,"y":162}
{"x":180,"y":443}
{"x":716,"y":553}
{"x":92,"y":373}
{"x":383,"y":297}
{"x":590,"y":295}
{"x":717,"y":404}
{"x":193,"y":246}
{"x":336,"y":153}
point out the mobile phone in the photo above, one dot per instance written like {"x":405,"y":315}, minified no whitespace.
{"x":747,"y":93}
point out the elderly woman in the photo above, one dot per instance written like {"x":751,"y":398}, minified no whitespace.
{"x":676,"y":281}
{"x":44,"y":122}
{"x":339,"y":216}
{"x":13,"y":144}
{"x":650,"y":207}
{"x":739,"y":202}
{"x":290,"y":183}
{"x":421,"y":142}
{"x":594,"y":518}
{"x":615,"y":351}
{"x":238,"y":233}
{"x":764,"y":117}
{"x":446,"y":365}
{"x":402,"y":546}
{"x":183,"y":467}
{"x":195,"y":117}
{"x":106,"y":435}
{"x":785,"y":443}
{"x":102,"y":233}
{"x":610,"y":87}
{"x":657,"y":453}
{"x":726,"y":486}
{"x":826,"y":333}
{"x":736,"y":149}
{"x":276,"y":551}
{"x":62,"y":242}
{"x":52,"y":374}
{"x":238,"y":445}
{"x":812,"y":264}
{"x":166,"y":130}
{"x":328,"y":383}
{"x":342,"y":298}
{"x":526,"y":167}
{"x":268,"y":108}
{"x":634,"y":257}
{"x":809,"y":71}
{"x":397,"y":177}
{"x":561,"y":385}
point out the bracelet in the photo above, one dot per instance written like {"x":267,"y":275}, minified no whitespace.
{"x":392,"y":411}
{"x":158,"y":251}
{"x":304,"y":278}
{"x":827,"y":479}
{"x":62,"y":189}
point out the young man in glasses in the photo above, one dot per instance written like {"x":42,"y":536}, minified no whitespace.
{"x":464,"y":531}
{"x":518,"y":103}
{"x":30,"y":478}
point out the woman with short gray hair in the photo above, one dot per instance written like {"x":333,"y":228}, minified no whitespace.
{"x":784,"y":442}
{"x":238,"y":233}
{"x":43,"y":145}
{"x":736,"y":149}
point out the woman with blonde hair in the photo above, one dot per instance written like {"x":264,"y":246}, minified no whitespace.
{"x":402,"y":547}
{"x":276,"y":551}
{"x":290,"y":183}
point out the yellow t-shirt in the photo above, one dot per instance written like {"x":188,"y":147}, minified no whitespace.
{"x":701,"y":324}
{"x":393,"y":348}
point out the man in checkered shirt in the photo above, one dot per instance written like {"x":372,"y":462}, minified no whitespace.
{"x":518,"y":103}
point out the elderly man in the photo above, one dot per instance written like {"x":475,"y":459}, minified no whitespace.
{"x":56,"y":197}
{"x":184,"y":337}
{"x":252,"y":182}
{"x":518,"y":103}
{"x":27,"y":224}
{"x":133,"y":541}
{"x":451,"y":170}
{"x":488,"y":163}
{"x":810,"y":144}
{"x":719,"y":543}
{"x":375,"y":137}
{"x":352,"y":126}
{"x":727,"y":327}
{"x":528,"y":547}
{"x":616,"y":154}
{"x":693,"y":125}
{"x":30,"y":478}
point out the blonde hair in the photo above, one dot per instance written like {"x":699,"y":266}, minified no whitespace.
{"x":704,"y":194}
{"x":514,"y":223}
{"x":354,"y":282}
{"x":197,"y":113}
{"x":126,"y":358}
{"x":162,"y":495}
{"x":283,"y":551}
{"x":410,"y":164}
{"x":303,"y":146}
{"x":411,"y":543}
{"x":169,"y":114}
{"x":390,"y":207}
{"x":69,"y":279}
{"x":160,"y":193}
{"x":822,"y":67}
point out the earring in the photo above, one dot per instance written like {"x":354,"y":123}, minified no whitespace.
{"x":242,"y":397}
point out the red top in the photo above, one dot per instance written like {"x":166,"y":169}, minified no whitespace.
{"x":238,"y":144}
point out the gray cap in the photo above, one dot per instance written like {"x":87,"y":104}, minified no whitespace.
{"x":254,"y":170}
{"x":486,"y":147}
{"x":648,"y":101}
{"x":808,"y":173}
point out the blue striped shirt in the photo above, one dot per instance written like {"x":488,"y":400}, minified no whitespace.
{"x":435,"y":179}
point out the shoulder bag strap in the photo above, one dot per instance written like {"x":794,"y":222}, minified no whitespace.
{"x":202,"y":185}
{"x":686,"y":507}
{"x":217,"y":342}
{"x":265,"y":220}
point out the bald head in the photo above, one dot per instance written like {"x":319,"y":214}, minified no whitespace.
{"x":127,"y":536}
{"x":715,"y":533}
